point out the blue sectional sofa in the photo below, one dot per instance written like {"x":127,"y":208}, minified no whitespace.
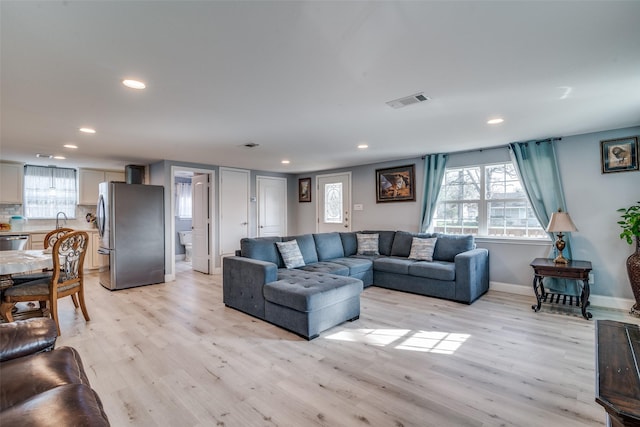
{"x":323,"y":290}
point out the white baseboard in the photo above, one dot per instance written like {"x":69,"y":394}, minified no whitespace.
{"x":595,"y":300}
{"x":169,"y":278}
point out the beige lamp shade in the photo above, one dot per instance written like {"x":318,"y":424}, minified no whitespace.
{"x":561,"y":222}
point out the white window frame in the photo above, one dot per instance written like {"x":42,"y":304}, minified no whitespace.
{"x":483,"y":206}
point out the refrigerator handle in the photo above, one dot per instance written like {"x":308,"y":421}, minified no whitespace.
{"x":101,"y":215}
{"x":103,"y":251}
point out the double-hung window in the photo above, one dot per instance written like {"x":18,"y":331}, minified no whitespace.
{"x":485,"y":200}
{"x":49,"y":190}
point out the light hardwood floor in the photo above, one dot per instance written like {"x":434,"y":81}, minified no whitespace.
{"x":174,"y":355}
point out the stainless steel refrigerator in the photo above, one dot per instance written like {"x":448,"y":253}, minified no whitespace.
{"x":130,"y":220}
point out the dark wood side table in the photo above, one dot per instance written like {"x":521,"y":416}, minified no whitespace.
{"x":577,"y":270}
{"x":618,"y":375}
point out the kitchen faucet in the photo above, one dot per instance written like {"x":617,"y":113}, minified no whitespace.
{"x":58,"y":219}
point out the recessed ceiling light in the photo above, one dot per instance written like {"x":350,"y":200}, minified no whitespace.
{"x":494,"y":121}
{"x":59,"y":157}
{"x":134,"y":84}
{"x":285,"y":162}
{"x":87,"y":130}
{"x":70,"y":146}
{"x":363,"y":146}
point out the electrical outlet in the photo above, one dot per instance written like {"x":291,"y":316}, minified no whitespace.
{"x":591,"y":279}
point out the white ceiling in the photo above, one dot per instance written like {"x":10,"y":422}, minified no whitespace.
{"x":308,"y":81}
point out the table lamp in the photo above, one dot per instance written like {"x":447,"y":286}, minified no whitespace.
{"x":560,"y":222}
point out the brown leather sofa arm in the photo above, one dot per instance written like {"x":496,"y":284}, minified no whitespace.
{"x":25,"y":337}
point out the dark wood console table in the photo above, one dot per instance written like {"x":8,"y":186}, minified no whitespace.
{"x":577,"y":270}
{"x":618,"y":375}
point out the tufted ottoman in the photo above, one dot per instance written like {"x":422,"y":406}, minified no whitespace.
{"x":309,"y":303}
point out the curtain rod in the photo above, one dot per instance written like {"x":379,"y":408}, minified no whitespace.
{"x":498,"y":146}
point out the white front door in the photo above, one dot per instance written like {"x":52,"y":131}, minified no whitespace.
{"x":201,"y":254}
{"x":234,"y":209}
{"x":272,"y":206}
{"x":334,"y":201}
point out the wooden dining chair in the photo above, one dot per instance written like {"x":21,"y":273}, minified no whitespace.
{"x":49,"y":240}
{"x":67,"y":279}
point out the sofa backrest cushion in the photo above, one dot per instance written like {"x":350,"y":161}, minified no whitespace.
{"x":328,"y":246}
{"x":450,"y":245}
{"x":261,"y":248}
{"x":307,"y":246}
{"x":385,"y":241}
{"x":402,"y":242}
{"x":349,"y":243}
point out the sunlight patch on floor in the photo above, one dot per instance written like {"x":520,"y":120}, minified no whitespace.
{"x":405,"y":339}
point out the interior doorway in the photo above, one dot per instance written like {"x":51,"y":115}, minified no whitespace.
{"x":192,"y":205}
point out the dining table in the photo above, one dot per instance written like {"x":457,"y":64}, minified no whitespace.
{"x":22,"y":261}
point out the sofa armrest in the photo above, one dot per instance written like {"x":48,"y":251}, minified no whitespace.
{"x":25,"y":337}
{"x":242,"y":283}
{"x":472,"y":274}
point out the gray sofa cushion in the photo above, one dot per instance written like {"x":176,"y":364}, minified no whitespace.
{"x":262,"y":248}
{"x":328,"y":246}
{"x":439,"y":270}
{"x":306,"y":292}
{"x":356,"y":265}
{"x":307,"y":246}
{"x":402,"y":242}
{"x":393,"y":265}
{"x":448,"y":246}
{"x":329,"y":267}
{"x":349,"y":243}
{"x":385,"y":241}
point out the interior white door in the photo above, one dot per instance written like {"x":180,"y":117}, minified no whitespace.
{"x":272,"y":206}
{"x":234,"y":209}
{"x":201,"y":253}
{"x":333,"y":202}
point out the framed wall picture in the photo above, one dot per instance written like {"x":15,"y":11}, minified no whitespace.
{"x":304,"y":190}
{"x":619,"y":155}
{"x":396,"y":184}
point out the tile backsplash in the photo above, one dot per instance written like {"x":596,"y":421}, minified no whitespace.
{"x":79,"y":222}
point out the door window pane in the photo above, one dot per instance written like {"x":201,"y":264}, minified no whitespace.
{"x":333,"y":203}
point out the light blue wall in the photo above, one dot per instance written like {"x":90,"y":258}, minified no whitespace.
{"x":592,"y":199}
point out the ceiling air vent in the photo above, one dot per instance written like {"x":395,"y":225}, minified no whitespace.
{"x":408,"y":100}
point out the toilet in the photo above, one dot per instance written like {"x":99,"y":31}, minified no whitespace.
{"x":185,"y":239}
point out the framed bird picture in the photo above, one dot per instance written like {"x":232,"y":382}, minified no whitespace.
{"x":619,"y":155}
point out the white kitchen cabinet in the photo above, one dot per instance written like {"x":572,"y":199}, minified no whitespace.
{"x":36,"y":241}
{"x":11,"y":176}
{"x":88,"y":184}
{"x":93,"y":260}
